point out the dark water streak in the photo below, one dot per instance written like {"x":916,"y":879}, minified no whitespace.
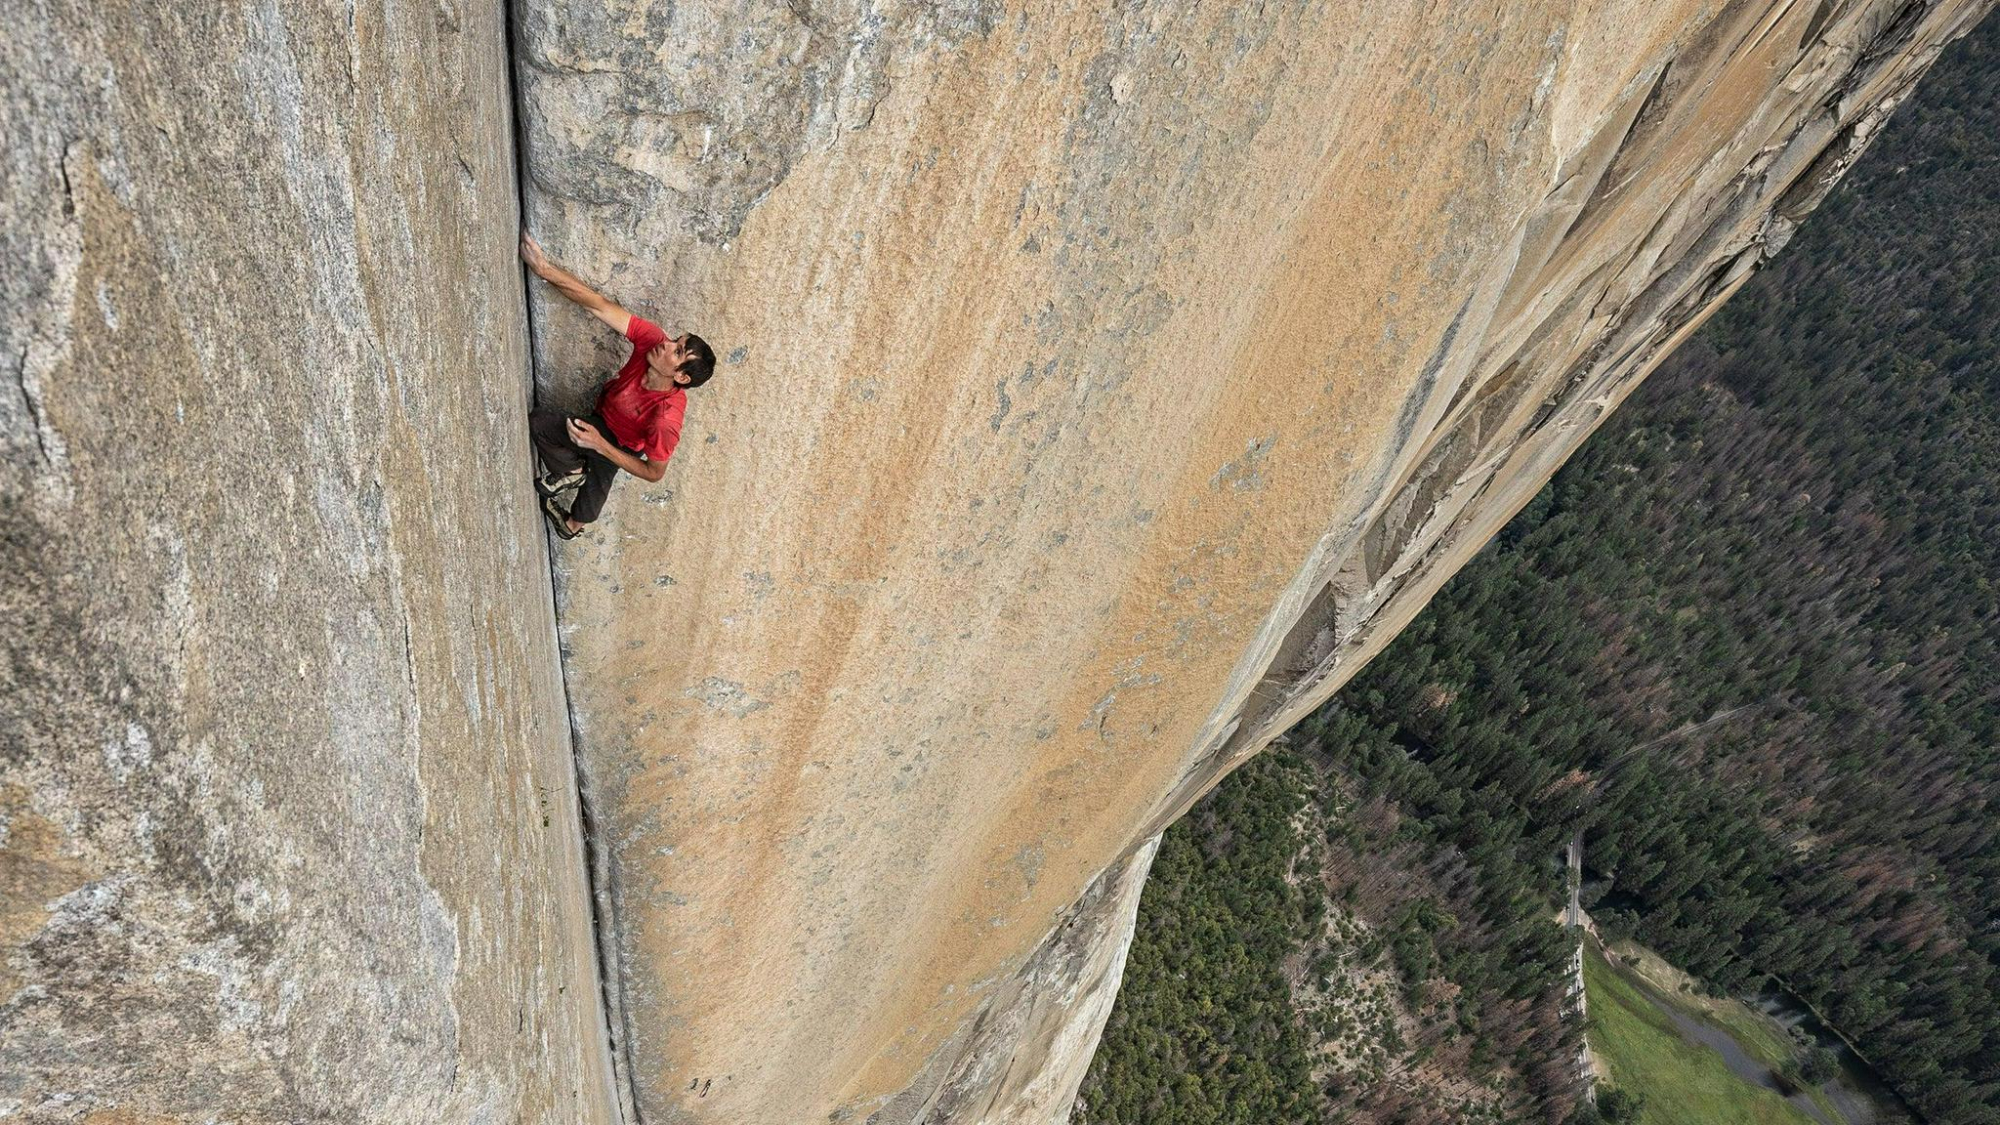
{"x":1857,"y":1094}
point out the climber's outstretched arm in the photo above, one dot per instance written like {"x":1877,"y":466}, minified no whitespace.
{"x":567,"y":284}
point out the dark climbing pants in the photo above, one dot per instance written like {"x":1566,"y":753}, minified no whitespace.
{"x":550,"y":432}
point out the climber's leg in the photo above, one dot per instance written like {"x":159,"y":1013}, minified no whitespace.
{"x":598,"y":473}
{"x":562,"y":460}
{"x":550,"y":432}
{"x":563,"y":457}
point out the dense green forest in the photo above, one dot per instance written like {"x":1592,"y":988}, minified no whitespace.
{"x":1746,"y":640}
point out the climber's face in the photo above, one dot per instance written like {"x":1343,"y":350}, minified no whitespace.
{"x":664,"y":362}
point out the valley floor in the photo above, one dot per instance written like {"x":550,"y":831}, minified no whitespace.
{"x":1702,"y":1060}
{"x":1633,"y":1033}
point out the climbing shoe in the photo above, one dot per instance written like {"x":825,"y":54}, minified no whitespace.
{"x":558,"y":519}
{"x":555,"y":484}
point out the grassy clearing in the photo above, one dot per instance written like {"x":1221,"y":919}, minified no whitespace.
{"x":1760,"y":1035}
{"x":1684,"y":1083}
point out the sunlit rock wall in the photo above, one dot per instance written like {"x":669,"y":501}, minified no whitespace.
{"x":1102,"y":383}
{"x":287,"y":825}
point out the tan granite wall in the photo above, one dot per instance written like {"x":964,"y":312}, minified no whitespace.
{"x":1101,"y":384}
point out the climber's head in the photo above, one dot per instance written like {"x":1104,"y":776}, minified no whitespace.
{"x":685,"y":360}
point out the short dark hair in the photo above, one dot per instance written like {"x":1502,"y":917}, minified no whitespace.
{"x":700,"y":364}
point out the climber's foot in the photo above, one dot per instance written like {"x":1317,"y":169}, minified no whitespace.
{"x":565,"y":527}
{"x":555,"y":484}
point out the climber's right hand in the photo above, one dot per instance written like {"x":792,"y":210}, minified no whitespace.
{"x":531,"y":253}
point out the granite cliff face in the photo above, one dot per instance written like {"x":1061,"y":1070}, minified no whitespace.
{"x":1100,"y":388}
{"x":287,"y":825}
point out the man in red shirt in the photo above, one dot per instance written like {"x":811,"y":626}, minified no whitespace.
{"x":638,"y":417}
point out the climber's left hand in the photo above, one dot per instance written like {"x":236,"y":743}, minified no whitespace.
{"x":586,"y":436}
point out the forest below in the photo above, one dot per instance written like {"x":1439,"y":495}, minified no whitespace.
{"x":1747,"y":640}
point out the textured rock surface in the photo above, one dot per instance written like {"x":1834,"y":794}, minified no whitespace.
{"x":286,"y":805}
{"x":1102,"y":386}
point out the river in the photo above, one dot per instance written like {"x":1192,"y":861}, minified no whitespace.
{"x":1859,"y":1095}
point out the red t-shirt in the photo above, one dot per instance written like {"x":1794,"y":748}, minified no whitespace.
{"x":644,"y":421}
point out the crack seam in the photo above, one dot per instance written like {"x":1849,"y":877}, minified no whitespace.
{"x":597,"y":873}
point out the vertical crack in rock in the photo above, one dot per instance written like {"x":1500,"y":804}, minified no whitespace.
{"x":33,"y":410}
{"x":598,"y":871}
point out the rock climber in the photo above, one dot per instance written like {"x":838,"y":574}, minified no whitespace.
{"x":637,"y":422}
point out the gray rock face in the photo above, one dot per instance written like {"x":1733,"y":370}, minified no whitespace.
{"x":287,"y":826}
